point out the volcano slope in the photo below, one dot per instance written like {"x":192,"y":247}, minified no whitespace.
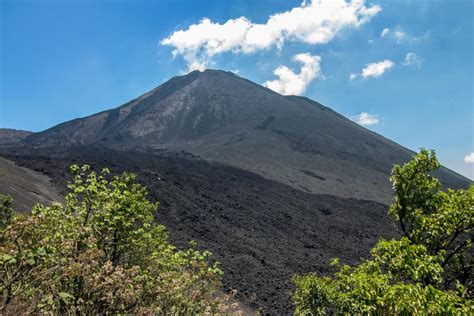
{"x":284,"y":183}
{"x":222,"y":117}
{"x":263,"y":232}
{"x":11,"y":136}
{"x":26,"y":186}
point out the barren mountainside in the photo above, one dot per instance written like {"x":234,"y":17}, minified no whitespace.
{"x":8,"y":135}
{"x":222,"y":117}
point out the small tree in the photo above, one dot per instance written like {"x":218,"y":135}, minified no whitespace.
{"x":100,"y":252}
{"x":427,"y":271}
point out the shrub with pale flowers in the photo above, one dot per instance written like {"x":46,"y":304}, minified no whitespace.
{"x":101,"y":252}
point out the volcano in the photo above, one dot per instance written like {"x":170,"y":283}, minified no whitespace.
{"x":222,"y":117}
{"x":272,"y":185}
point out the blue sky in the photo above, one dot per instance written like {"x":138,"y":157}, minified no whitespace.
{"x":411,"y":61}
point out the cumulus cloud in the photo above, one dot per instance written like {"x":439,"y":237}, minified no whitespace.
{"x":365,"y":119}
{"x":376,"y":69}
{"x":313,"y":22}
{"x":289,"y":82}
{"x":469,"y":158}
{"x":352,"y":76}
{"x":412,"y":59}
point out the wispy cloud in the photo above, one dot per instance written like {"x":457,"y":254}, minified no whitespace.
{"x":376,"y":69}
{"x":399,"y":35}
{"x":289,"y":82}
{"x":365,"y":119}
{"x":412,"y":59}
{"x":313,"y":22}
{"x":469,"y":158}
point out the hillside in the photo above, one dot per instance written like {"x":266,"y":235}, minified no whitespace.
{"x":222,"y":117}
{"x":8,"y":135}
{"x":273,"y":185}
{"x":25,"y":186}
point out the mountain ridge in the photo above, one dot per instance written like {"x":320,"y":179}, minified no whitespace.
{"x":10,"y":135}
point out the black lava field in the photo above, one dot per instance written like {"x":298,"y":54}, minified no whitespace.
{"x":262,"y":232}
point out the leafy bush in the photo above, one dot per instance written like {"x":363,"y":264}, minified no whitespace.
{"x":427,"y":271}
{"x":100,"y":252}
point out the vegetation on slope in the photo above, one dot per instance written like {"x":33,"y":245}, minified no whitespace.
{"x":427,"y":271}
{"x":100,"y":252}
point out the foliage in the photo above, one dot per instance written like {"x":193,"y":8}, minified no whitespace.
{"x":427,"y":271}
{"x":6,"y":212}
{"x":100,"y":252}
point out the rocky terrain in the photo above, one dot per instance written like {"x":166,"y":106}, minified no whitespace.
{"x":27,"y":187}
{"x":263,"y":232}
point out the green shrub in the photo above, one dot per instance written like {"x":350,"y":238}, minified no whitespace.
{"x":427,"y":271}
{"x":100,"y":252}
{"x":6,"y":212}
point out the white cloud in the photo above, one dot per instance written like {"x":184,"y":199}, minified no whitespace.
{"x":412,"y":59}
{"x":401,"y":36}
{"x":365,"y":119}
{"x":289,"y":82}
{"x":469,"y":158}
{"x":352,"y":76}
{"x":313,"y":22}
{"x":376,"y":69}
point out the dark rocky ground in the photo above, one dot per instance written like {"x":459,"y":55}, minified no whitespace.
{"x":261,"y":231}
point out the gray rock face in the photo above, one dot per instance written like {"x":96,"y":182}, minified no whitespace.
{"x":222,"y":117}
{"x":27,"y":187}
